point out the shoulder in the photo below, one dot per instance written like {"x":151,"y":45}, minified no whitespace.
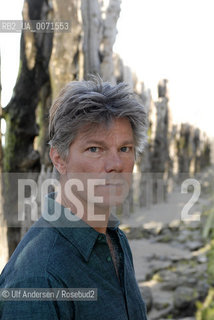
{"x":31,"y":256}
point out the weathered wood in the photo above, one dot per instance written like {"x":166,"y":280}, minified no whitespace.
{"x":66,"y":62}
{"x":20,"y":155}
{"x":1,"y":154}
{"x":3,"y":224}
{"x":110,"y":19}
{"x":92,"y":35}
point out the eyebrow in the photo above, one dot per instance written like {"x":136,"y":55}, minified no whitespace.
{"x":102,"y":142}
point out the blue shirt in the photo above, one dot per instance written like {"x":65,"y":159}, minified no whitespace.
{"x":66,"y":254}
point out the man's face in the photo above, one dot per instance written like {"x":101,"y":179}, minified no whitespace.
{"x":103,"y":153}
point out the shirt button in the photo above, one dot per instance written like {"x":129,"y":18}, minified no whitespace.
{"x":108,"y":258}
{"x":100,"y":237}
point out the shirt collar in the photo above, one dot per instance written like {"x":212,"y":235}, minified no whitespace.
{"x":79,"y":233}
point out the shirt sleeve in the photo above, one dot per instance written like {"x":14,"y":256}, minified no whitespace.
{"x":36,"y":310}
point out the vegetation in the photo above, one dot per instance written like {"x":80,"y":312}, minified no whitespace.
{"x":205,"y":311}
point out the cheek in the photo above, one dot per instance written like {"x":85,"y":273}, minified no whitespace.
{"x":129,"y":164}
{"x":86,"y":165}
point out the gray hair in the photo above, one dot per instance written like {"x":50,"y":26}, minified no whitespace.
{"x":94,"y":101}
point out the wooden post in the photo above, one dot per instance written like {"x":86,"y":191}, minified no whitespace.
{"x":3,"y":224}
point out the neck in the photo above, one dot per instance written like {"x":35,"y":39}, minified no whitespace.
{"x":95,"y":216}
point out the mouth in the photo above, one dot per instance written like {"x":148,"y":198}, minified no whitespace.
{"x":109,"y":185}
{"x":112,"y":184}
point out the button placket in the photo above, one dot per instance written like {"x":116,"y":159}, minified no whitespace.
{"x":100,"y":237}
{"x":108,"y":259}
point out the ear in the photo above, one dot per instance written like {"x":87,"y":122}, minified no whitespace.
{"x":57,"y":160}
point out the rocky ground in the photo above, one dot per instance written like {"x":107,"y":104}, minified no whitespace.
{"x":170,"y":254}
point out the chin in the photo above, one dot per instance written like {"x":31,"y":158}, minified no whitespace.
{"x":108,"y":203}
{"x":110,"y":196}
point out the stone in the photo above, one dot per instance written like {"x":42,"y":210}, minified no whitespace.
{"x":193,"y":225}
{"x":177,"y":244}
{"x":194,"y":245}
{"x":154,"y":227}
{"x":189,"y":235}
{"x":184,"y":298}
{"x":161,"y":305}
{"x":134,"y":233}
{"x":202,"y":288}
{"x":165,"y":237}
{"x":189,"y":318}
{"x":176,"y":258}
{"x":202,"y":258}
{"x":183,"y":237}
{"x":160,"y":265}
{"x":168,"y":279}
{"x":162,"y":314}
{"x":174,"y":225}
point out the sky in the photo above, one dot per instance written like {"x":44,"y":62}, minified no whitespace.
{"x":158,"y":39}
{"x":172,"y":39}
{"x":9,"y":46}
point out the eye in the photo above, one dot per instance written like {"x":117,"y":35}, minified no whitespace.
{"x":125,"y":149}
{"x":94,"y":149}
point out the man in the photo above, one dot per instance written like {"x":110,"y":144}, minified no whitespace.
{"x":96,"y":130}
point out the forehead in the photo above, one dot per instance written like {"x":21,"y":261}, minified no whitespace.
{"x":120,"y":128}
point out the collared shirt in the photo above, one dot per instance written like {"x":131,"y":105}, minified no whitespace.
{"x":71,"y":254}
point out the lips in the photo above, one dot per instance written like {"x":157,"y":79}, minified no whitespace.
{"x":112,"y":183}
{"x":109,"y":185}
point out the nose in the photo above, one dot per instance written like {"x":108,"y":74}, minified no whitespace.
{"x":113,"y":162}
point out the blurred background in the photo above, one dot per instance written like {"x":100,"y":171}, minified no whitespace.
{"x":164,"y":50}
